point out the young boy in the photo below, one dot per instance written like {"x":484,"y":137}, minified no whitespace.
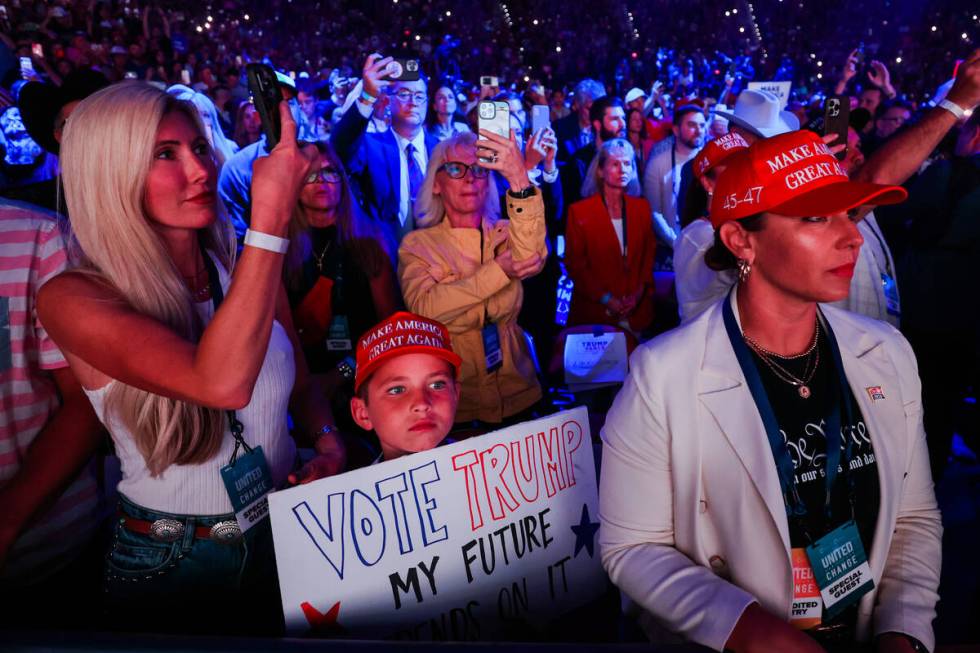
{"x":405,"y":384}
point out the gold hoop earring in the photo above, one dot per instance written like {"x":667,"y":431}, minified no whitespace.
{"x":744,"y":267}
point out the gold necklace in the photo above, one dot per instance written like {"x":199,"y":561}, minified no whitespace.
{"x":319,"y":257}
{"x":198,"y":293}
{"x":802,"y":384}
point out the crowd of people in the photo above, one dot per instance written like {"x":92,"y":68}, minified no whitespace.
{"x":211,"y":300}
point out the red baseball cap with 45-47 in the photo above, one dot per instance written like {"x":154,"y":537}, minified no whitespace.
{"x":792,"y":174}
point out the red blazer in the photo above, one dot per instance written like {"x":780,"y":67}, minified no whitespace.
{"x":595,"y":261}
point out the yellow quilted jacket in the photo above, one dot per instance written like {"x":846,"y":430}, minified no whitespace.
{"x":445,"y":276}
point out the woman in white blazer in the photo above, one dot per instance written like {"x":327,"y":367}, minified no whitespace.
{"x":718,"y":450}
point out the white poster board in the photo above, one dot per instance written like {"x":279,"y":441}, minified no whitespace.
{"x":595,"y":358}
{"x":779,"y":89}
{"x":469,"y":541}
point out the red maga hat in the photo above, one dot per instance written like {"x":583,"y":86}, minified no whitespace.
{"x":402,"y":333}
{"x":717,"y":150}
{"x":791,"y":174}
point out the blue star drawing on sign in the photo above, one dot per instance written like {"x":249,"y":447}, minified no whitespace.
{"x":585,"y":533}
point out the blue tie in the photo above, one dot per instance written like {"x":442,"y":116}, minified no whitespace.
{"x":415,"y":175}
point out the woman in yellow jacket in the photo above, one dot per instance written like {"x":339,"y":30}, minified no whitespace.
{"x":463,"y":267}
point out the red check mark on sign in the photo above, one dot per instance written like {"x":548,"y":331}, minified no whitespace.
{"x":322,"y":623}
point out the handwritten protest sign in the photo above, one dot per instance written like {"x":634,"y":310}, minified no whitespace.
{"x":470,"y":541}
{"x":595,"y":358}
{"x":779,"y":89}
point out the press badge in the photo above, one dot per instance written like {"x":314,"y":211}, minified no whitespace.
{"x":841,"y":568}
{"x":807,"y":603}
{"x":491,"y":347}
{"x":248,"y":483}
{"x":892,"y":304}
{"x":338,"y":334}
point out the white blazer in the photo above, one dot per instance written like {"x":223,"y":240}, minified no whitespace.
{"x":694,"y":527}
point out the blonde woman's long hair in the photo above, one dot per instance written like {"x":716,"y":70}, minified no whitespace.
{"x":429,"y":208}
{"x":106,"y":155}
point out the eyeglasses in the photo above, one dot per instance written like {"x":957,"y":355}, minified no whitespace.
{"x":328,"y":175}
{"x":457,"y":170}
{"x":406,"y":95}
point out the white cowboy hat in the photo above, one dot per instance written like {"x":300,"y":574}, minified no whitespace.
{"x":633,"y":94}
{"x":758,"y":112}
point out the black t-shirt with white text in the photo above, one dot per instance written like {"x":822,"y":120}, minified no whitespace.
{"x":803,"y":424}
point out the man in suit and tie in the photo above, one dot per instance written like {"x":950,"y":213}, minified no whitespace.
{"x":388,"y":168}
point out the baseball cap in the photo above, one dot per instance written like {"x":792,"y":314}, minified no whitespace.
{"x":633,"y":94}
{"x":717,"y":150}
{"x":791,"y":174}
{"x":402,"y":333}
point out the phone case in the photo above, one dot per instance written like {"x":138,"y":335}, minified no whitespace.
{"x":265,"y":94}
{"x":495,"y":117}
{"x":540,"y":118}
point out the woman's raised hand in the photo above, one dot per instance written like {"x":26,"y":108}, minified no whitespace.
{"x":278,"y":178}
{"x":504,"y":156}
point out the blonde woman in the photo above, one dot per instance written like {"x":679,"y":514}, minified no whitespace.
{"x":224,"y":148}
{"x":171,"y":348}
{"x":463,"y":267}
{"x":610,"y":247}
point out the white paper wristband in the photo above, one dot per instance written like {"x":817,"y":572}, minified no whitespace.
{"x":953,"y":108}
{"x":266,"y":241}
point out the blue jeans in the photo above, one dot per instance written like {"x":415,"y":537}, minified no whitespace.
{"x":191,"y":585}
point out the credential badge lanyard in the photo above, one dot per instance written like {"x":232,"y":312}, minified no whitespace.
{"x":795,"y":508}
{"x":247,"y":479}
{"x":839,"y":563}
{"x":217,"y":296}
{"x":623,"y":217}
{"x":491,"y":334}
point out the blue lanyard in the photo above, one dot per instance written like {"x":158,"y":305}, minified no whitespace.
{"x":217,"y":295}
{"x":795,"y":508}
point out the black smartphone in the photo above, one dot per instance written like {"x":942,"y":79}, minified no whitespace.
{"x":402,"y":70}
{"x":264,"y":87}
{"x":836,"y":117}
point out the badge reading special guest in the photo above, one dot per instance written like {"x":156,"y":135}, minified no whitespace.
{"x":841,"y":568}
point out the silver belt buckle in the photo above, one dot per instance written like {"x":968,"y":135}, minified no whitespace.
{"x":166,"y":530}
{"x":226,"y":532}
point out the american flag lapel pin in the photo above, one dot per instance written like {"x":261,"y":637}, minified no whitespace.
{"x":875,"y":393}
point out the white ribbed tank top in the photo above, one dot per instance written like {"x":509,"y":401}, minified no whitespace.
{"x":197,"y":489}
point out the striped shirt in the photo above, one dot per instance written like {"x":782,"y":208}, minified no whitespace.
{"x":32,"y":251}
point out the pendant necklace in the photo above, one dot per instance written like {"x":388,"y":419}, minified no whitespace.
{"x":801,"y":383}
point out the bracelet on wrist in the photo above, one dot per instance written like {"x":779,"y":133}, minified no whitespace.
{"x":266,"y":241}
{"x":952,"y":107}
{"x":524,"y":193}
{"x":326,"y":429}
{"x":367,"y":98}
{"x":347,"y":368}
